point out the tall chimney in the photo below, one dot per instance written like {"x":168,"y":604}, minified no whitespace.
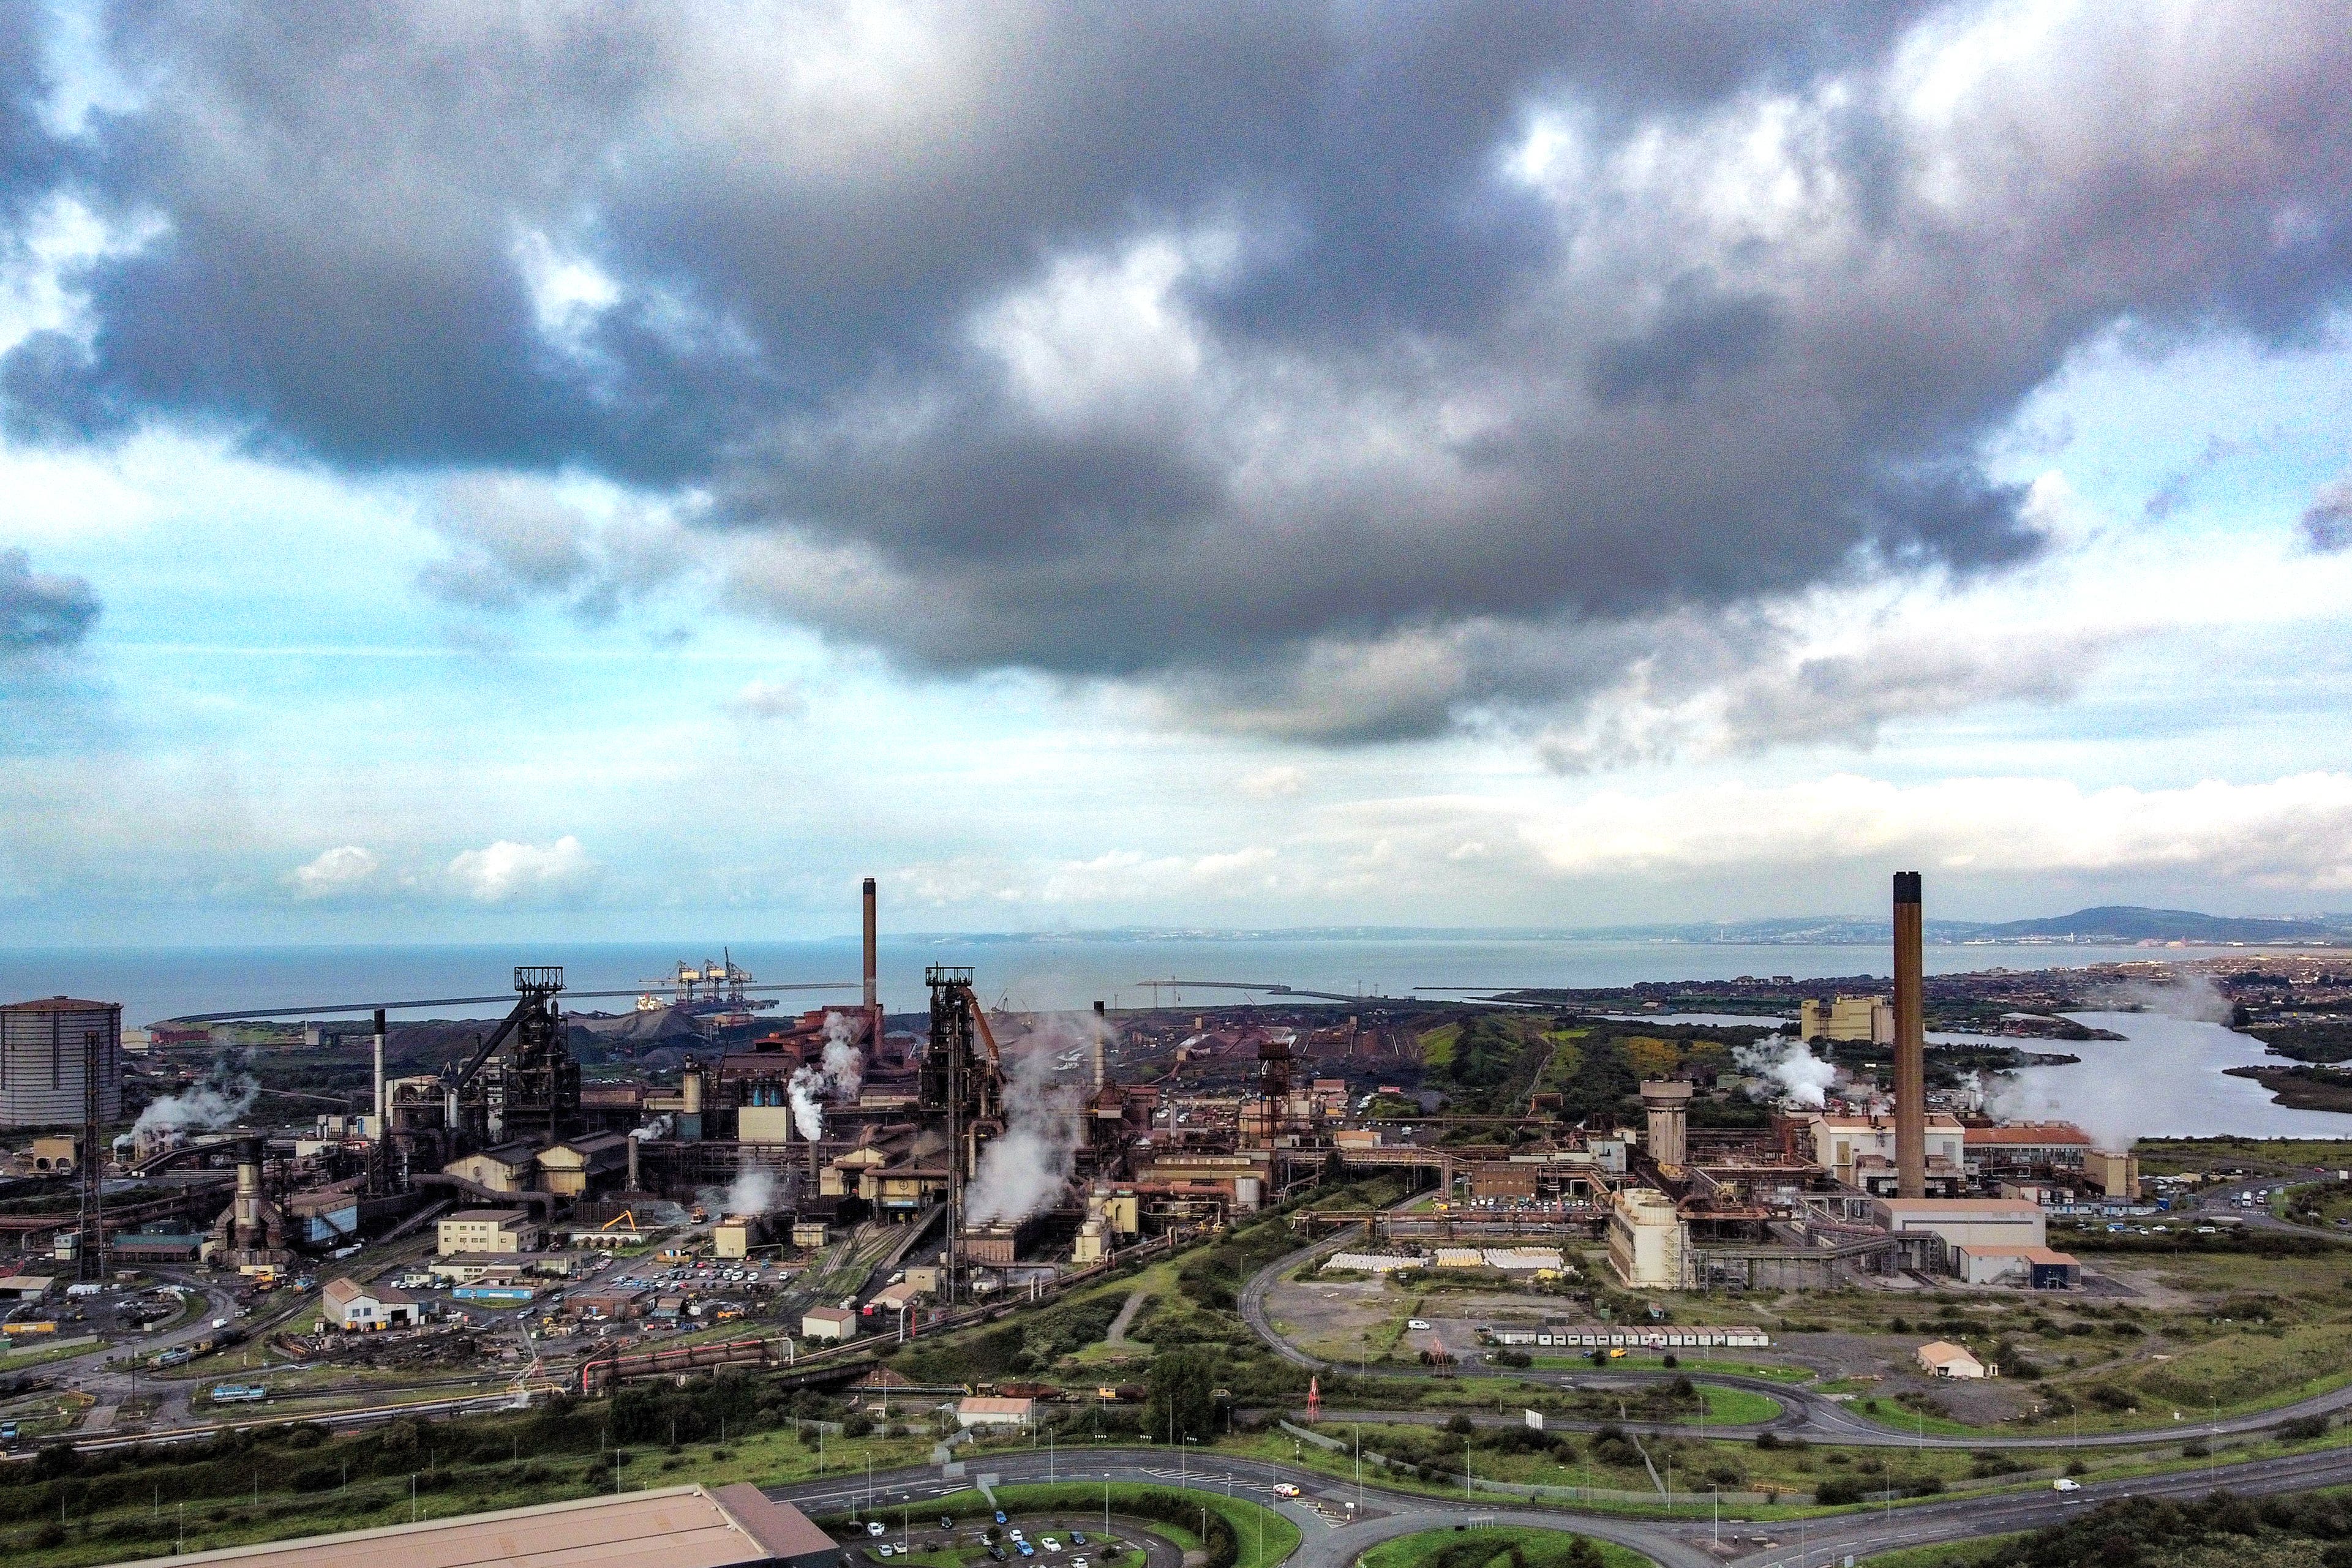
{"x":1910,"y":1044}
{"x":1668,"y":1106}
{"x":632,"y":1141}
{"x":1101,"y":1026}
{"x":873,"y":997}
{"x":378,"y":1073}
{"x":248,"y":1203}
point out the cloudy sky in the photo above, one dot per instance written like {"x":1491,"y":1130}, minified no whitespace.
{"x":629,"y":470}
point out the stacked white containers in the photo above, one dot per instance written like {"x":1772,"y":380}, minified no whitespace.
{"x":41,"y":1055}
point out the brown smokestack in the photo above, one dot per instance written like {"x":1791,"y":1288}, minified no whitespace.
{"x":1910,"y":1044}
{"x":873,"y":989}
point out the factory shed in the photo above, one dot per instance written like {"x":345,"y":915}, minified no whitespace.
{"x":2038,"y":1267}
{"x":829,"y":1322}
{"x":984,"y":1410}
{"x":1966,"y":1221}
{"x":1944,"y":1359}
{"x":506,"y":1168}
{"x":159,"y":1247}
{"x":674,"y":1527}
{"x":582,"y":1165}
{"x":350,"y":1305}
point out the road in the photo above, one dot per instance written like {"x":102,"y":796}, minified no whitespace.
{"x":1681,"y":1544}
{"x":1805,"y":1413}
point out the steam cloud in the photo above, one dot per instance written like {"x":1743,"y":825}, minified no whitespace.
{"x":752,"y":1192}
{"x":1802,"y":1077}
{"x":219,"y":1099}
{"x":1023,"y":1171}
{"x":2191,"y":997}
{"x":836,"y":1077}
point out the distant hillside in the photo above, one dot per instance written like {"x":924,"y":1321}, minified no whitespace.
{"x":2129,"y":923}
{"x":2118,"y":924}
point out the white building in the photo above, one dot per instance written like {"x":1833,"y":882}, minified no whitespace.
{"x":1649,"y":1244}
{"x":486,"y":1230}
{"x":983,"y":1410}
{"x":357,"y":1308}
{"x":1860,"y":1150}
{"x":1966,"y":1221}
{"x":829,"y":1323}
{"x":1942,"y":1359}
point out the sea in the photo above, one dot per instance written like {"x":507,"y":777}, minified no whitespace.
{"x":2164,"y":1078}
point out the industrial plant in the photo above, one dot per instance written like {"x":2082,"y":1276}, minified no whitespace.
{"x":789,"y":1190}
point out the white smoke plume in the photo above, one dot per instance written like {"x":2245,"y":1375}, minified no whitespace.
{"x":752,"y":1192}
{"x":1791,"y":1067}
{"x":844,"y":1064}
{"x":1998,"y":1096}
{"x":1024,"y":1171}
{"x":836,"y":1077}
{"x":218,"y":1099}
{"x":657,"y":1128}
{"x":2192,"y":997}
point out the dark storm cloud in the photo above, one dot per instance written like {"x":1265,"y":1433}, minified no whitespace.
{"x":40,"y":614}
{"x":2328,"y":521}
{"x":1337,"y":357}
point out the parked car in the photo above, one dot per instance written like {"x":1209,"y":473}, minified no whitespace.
{"x":873,"y":1527}
{"x":1416,"y":1322}
{"x":2066,"y":1483}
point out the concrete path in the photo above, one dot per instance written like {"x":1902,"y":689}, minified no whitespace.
{"x":1133,"y":1305}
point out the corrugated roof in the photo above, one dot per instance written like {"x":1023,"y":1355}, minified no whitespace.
{"x":2033,"y":1133}
{"x":60,"y":1005}
{"x":677,"y":1527}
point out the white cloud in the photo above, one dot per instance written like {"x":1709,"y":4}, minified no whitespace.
{"x":765,"y":699}
{"x":336,"y":871}
{"x":1270,"y":783}
{"x":2293,"y":833}
{"x":506,"y":871}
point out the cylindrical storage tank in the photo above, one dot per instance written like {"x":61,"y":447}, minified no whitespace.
{"x":41,"y":1055}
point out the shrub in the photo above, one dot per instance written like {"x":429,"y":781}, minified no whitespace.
{"x":2302,"y":1428}
{"x":1837,"y":1490}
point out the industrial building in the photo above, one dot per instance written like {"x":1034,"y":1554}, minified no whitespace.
{"x":486,"y":1230}
{"x":49,"y":1050}
{"x":1860,"y":1020}
{"x":357,"y":1308}
{"x":668,"y":1527}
